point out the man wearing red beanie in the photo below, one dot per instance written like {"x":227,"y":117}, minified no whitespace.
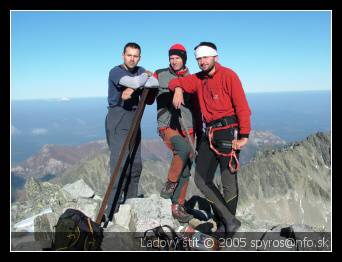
{"x":173,"y":134}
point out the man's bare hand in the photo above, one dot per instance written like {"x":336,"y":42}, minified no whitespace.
{"x":127,"y":93}
{"x":178,"y":99}
{"x":239,"y":144}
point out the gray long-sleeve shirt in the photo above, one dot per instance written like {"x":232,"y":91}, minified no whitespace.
{"x":115,"y":88}
{"x":167,"y":114}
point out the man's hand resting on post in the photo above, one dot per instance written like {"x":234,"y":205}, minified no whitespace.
{"x":127,"y":93}
{"x":178,"y":99}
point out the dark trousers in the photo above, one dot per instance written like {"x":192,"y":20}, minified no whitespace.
{"x":118,"y":124}
{"x":206,"y":165}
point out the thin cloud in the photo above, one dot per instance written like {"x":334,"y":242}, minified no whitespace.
{"x":39,"y":131}
{"x":15,"y":131}
{"x":65,"y":99}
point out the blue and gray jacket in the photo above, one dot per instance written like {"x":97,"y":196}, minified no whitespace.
{"x":115,"y":88}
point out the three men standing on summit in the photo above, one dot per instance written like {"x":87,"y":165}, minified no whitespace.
{"x":218,"y":92}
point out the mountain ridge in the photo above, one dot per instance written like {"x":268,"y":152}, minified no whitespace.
{"x":290,"y":184}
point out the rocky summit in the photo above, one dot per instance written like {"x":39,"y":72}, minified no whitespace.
{"x":282,"y":189}
{"x":290,"y":184}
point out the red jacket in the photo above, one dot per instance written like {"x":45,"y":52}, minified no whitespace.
{"x":219,"y":95}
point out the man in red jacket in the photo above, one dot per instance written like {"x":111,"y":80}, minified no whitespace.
{"x":227,"y":117}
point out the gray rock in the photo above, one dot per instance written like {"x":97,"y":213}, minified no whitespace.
{"x":88,"y":206}
{"x":290,"y":184}
{"x":112,"y":227}
{"x":21,"y":211}
{"x":27,"y":224}
{"x":28,"y":246}
{"x":311,"y":239}
{"x":45,"y":194}
{"x":126,"y":217}
{"x":93,"y":171}
{"x":276,"y":240}
{"x":152,"y":212}
{"x":117,"y":238}
{"x":44,"y":226}
{"x":285,"y":237}
{"x":79,"y":189}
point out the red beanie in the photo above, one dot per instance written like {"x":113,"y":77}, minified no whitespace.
{"x":178,"y":49}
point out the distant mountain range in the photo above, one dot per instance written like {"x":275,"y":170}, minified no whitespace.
{"x":54,"y":160}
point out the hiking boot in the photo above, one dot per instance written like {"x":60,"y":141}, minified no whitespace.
{"x":168,"y":189}
{"x":179,"y":213}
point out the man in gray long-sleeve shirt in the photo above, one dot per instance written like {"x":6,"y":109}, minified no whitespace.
{"x":122,"y":104}
{"x":174,"y":134}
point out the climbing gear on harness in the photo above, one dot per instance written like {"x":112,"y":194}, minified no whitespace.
{"x":233,"y":167}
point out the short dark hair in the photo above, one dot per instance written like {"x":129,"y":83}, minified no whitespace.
{"x":132,"y":45}
{"x":212,"y":45}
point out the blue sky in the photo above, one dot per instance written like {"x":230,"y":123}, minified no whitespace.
{"x":57,"y":54}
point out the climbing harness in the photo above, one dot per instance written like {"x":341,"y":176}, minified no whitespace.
{"x":233,"y":164}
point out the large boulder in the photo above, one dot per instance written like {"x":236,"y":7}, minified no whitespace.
{"x":126,"y":218}
{"x":119,"y":238}
{"x":79,"y":189}
{"x":152,"y":212}
{"x":27,"y":225}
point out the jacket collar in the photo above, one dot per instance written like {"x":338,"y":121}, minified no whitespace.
{"x":179,"y":73}
{"x":217,"y":68}
{"x":205,"y":75}
{"x":133,"y":71}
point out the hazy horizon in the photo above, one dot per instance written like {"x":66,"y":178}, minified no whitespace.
{"x":251,"y":92}
{"x":289,"y":115}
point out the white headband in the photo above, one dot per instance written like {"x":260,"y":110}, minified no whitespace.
{"x":205,"y":51}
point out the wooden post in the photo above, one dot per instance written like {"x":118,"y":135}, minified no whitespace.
{"x":130,"y":137}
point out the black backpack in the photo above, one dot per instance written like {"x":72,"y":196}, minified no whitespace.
{"x":75,"y":231}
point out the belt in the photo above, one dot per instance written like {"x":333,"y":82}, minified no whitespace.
{"x":224,"y":121}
